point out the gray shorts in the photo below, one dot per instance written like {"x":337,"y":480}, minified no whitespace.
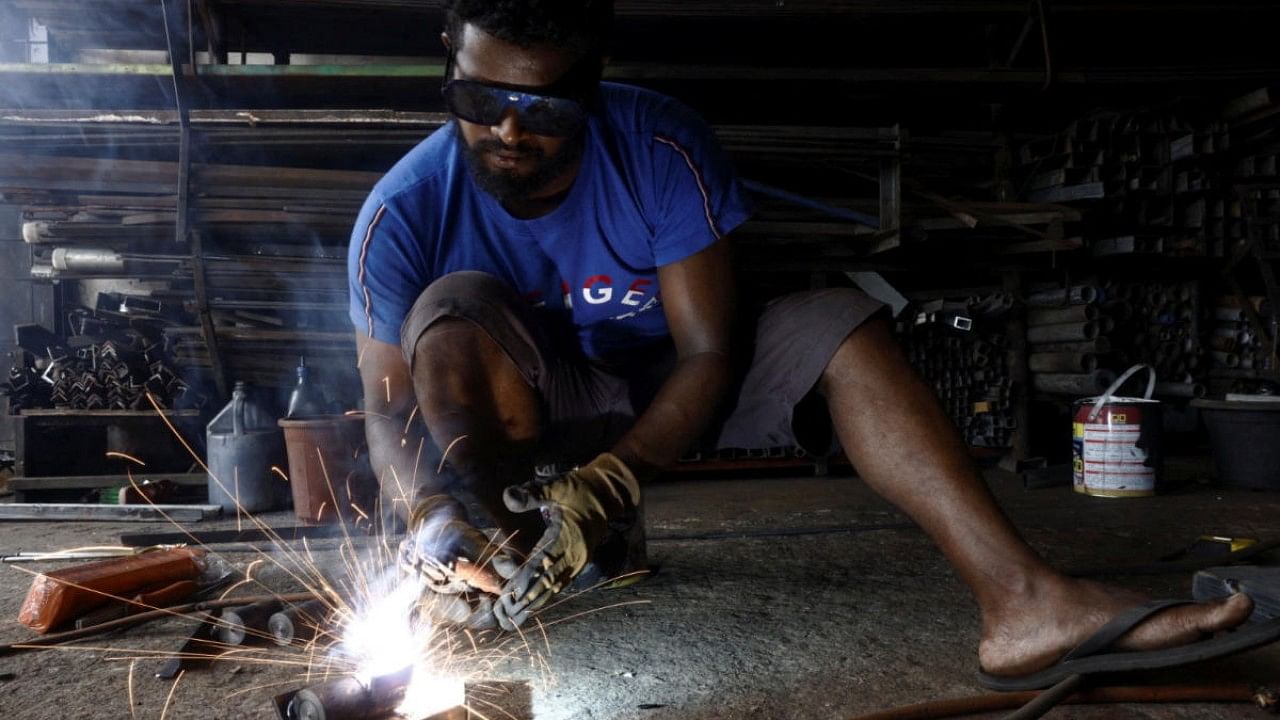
{"x":588,"y":406}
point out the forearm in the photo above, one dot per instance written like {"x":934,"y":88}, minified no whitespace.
{"x":400,"y":453}
{"x":678,"y":415}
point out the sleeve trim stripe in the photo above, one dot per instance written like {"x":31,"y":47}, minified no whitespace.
{"x":364,"y":256}
{"x":697,"y":176}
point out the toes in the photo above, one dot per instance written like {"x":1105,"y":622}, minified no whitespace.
{"x":1188,"y":623}
{"x":1227,"y":613}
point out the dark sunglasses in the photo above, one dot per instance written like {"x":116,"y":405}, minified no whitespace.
{"x":554,"y":115}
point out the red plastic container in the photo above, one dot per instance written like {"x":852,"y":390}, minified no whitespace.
{"x":329,"y":469}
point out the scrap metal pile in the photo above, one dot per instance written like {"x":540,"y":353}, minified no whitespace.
{"x":961,"y":349}
{"x":109,"y":363}
{"x":259,"y":280}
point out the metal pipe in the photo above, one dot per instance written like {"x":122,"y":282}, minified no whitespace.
{"x":242,"y":623}
{"x":43,"y":272}
{"x":1179,"y":390}
{"x":348,"y":698}
{"x":1121,"y":310}
{"x":1072,"y":383}
{"x":1062,"y":362}
{"x":298,"y":623}
{"x":1220,"y":313}
{"x":1096,"y":346}
{"x":89,"y":260}
{"x":1063,"y":332}
{"x":34,"y":233}
{"x":1074,"y":295}
{"x":1057,"y":315}
{"x":1226,"y":359}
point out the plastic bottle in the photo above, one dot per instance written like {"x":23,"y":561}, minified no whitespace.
{"x":306,"y":399}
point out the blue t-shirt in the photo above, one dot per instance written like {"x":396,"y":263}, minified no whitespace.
{"x":654,"y":187}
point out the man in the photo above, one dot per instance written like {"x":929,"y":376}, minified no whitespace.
{"x":547,"y":278}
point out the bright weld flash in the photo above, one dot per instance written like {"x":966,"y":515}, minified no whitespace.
{"x":383,"y":640}
{"x":380,"y":638}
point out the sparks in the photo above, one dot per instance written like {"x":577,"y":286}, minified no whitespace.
{"x":125,"y":456}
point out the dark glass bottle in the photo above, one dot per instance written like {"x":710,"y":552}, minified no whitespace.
{"x":306,"y":400}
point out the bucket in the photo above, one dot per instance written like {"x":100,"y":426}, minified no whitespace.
{"x":328,"y":468}
{"x":1116,"y":442}
{"x":243,"y":444}
{"x":1245,"y":436}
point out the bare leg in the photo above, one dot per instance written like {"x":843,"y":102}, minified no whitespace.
{"x":482,"y":414}
{"x":908,"y":451}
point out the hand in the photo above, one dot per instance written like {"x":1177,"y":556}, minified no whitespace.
{"x":578,"y":507}
{"x":455,"y":561}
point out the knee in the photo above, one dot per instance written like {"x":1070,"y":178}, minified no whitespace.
{"x":870,"y":343}
{"x":453,"y":345}
{"x":458,"y":295}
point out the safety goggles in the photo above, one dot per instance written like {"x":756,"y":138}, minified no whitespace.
{"x":554,"y":115}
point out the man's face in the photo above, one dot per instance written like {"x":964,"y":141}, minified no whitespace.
{"x":506,"y":159}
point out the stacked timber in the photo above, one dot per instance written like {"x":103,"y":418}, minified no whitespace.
{"x":1081,"y":336}
{"x":959,"y":347}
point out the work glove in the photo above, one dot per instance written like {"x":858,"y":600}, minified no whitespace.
{"x":579,"y":508}
{"x":460,"y":569}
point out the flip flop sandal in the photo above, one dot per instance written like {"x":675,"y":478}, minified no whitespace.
{"x":1092,"y":657}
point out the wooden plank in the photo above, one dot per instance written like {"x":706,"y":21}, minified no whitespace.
{"x":73,"y":482}
{"x":82,"y":512}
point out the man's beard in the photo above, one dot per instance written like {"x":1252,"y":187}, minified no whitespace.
{"x":507,"y":186}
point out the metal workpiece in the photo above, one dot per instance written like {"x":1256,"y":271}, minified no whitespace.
{"x":298,"y":623}
{"x":348,"y":698}
{"x":245,"y":623}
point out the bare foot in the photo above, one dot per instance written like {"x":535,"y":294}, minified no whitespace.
{"x":1033,"y":632}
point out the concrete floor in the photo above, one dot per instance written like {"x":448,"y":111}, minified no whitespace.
{"x":828,"y":624}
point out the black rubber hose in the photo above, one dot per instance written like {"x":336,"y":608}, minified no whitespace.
{"x":1048,"y":699}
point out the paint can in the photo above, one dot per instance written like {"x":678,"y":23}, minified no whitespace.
{"x":1116,"y":441}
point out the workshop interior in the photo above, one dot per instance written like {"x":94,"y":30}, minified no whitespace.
{"x":1066,"y":212}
